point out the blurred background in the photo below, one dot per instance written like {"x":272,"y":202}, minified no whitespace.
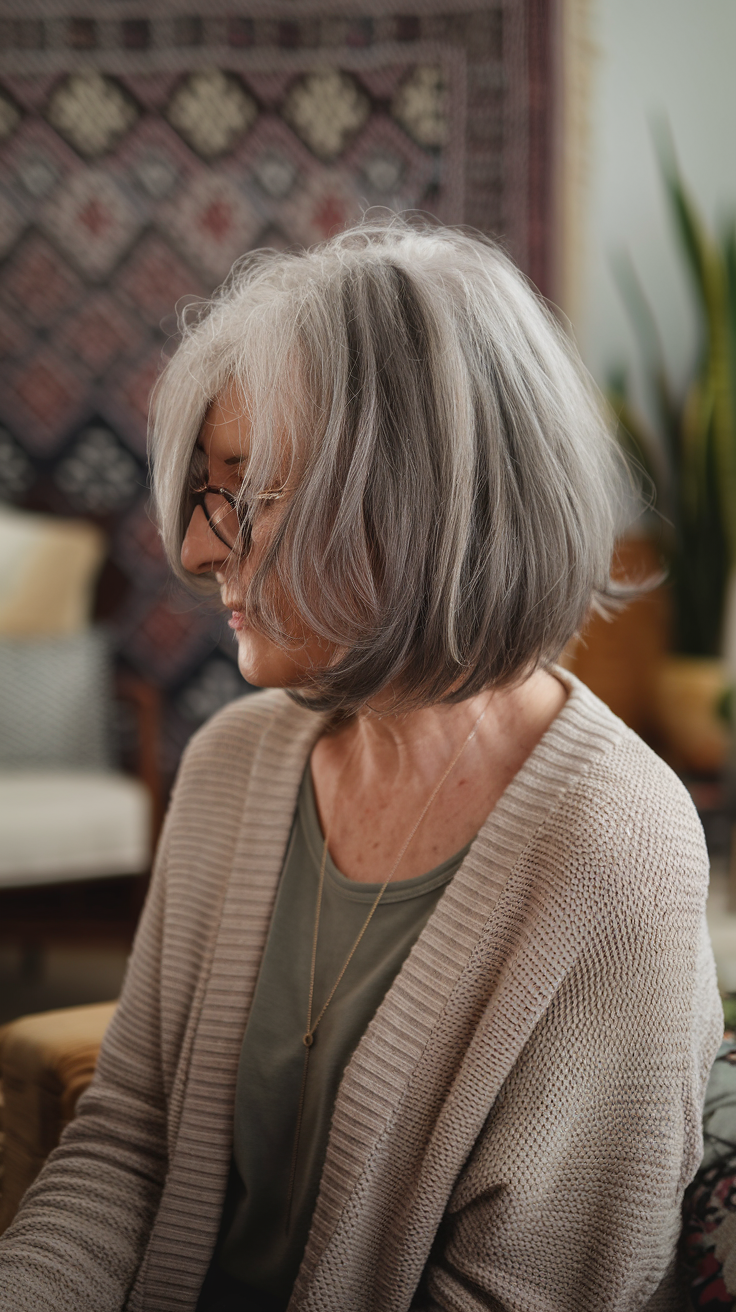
{"x":142,"y":149}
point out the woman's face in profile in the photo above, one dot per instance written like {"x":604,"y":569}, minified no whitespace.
{"x":224,"y":443}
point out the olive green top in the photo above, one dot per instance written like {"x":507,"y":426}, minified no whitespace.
{"x":259,"y":1244}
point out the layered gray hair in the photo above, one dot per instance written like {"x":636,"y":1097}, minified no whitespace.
{"x":458,"y":490}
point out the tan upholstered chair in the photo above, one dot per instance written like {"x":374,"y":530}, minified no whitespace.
{"x":46,"y":1063}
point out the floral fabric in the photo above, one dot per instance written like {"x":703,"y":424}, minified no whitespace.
{"x":711,"y":1198}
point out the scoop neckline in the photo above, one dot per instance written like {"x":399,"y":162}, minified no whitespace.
{"x":398,"y":890}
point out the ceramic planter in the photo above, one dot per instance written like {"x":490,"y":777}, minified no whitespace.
{"x":688,"y":694}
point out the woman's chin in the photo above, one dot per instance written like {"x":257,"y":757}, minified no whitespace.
{"x":263,"y":664}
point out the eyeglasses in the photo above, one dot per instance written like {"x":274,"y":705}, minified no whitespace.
{"x":230,"y":518}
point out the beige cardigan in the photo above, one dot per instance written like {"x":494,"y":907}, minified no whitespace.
{"x":517,"y":1125}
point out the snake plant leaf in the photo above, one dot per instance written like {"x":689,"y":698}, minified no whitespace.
{"x":729,"y":262}
{"x":698,"y":434}
{"x":697,"y":418}
{"x":689,"y":227}
{"x":650,"y":343}
{"x":636,"y":438}
{"x":724,"y":433}
{"x":642,"y":316}
{"x":711,"y":281}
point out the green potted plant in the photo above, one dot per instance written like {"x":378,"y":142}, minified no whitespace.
{"x":689,"y":453}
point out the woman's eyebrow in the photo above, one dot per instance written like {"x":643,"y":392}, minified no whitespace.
{"x":229,"y":460}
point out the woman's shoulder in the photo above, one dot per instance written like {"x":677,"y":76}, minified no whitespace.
{"x":635,"y":780}
{"x":625,"y":811}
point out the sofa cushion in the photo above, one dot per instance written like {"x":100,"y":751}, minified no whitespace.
{"x":55,"y":699}
{"x":71,"y":824}
{"x":48,"y":569}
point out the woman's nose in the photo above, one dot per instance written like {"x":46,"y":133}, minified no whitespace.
{"x":202,"y":552}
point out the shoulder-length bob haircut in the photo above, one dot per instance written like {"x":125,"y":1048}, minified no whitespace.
{"x":456,"y":488}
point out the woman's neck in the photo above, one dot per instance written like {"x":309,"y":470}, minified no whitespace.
{"x":373,"y":777}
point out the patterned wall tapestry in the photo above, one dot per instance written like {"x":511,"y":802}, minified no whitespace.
{"x":144,"y":150}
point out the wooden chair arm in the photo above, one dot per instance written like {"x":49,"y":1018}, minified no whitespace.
{"x":145,"y":700}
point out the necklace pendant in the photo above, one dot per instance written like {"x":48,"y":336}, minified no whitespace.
{"x":308,"y":1039}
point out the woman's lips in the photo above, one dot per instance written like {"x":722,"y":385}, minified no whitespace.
{"x":237,"y":620}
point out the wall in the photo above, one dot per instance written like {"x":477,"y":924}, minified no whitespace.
{"x":645,"y":57}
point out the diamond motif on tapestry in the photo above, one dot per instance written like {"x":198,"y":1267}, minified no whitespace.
{"x":37,"y":174}
{"x":38,"y":283}
{"x":43,"y":398}
{"x":12,"y":224}
{"x":14,"y":337}
{"x":93,"y":113}
{"x":35,"y":162}
{"x":92,"y":220}
{"x":275,"y":174}
{"x":421,"y":104}
{"x":137,"y":547}
{"x":171,"y":638}
{"x":394,"y":170}
{"x":155,"y":173}
{"x":383,"y":171}
{"x":127,"y":397}
{"x":100,"y":331}
{"x":154,"y":279}
{"x":10,"y":117}
{"x":98,"y":475}
{"x":326,"y":204}
{"x":270,"y":164}
{"x":214,"y":223}
{"x":154,"y":160}
{"x":212,"y":110}
{"x":326,"y":110}
{"x":16,"y":471}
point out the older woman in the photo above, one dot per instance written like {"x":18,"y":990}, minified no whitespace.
{"x":422,"y":1005}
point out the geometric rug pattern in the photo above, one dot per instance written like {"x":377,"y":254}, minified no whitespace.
{"x":143,"y":149}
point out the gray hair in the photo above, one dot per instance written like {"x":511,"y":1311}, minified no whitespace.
{"x":459,"y":489}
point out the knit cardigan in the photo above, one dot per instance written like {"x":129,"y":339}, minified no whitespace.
{"x":519,"y":1121}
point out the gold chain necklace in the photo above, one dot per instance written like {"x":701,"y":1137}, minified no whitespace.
{"x":309,"y":1033}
